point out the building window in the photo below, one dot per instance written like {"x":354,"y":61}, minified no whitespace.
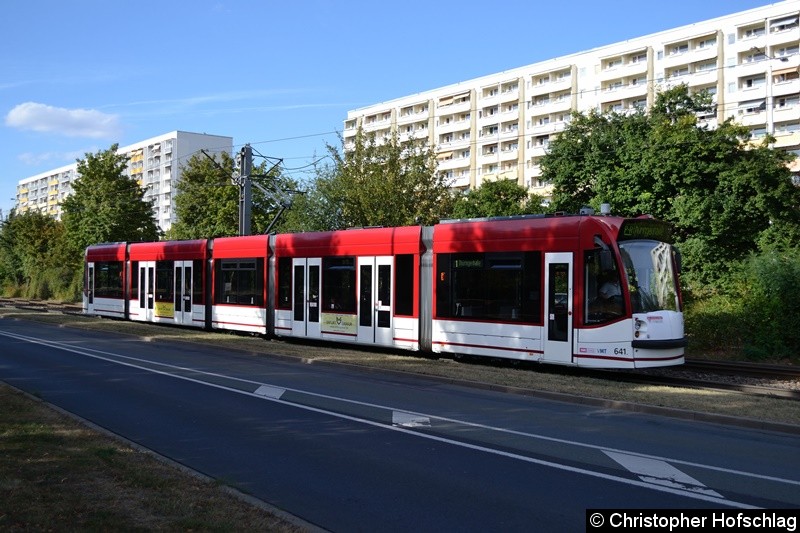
{"x":787,"y":76}
{"x":753,"y":106}
{"x":787,"y":128}
{"x":783,"y":24}
{"x":679,"y":49}
{"x":707,"y":43}
{"x":787,"y":102}
{"x":754,"y":82}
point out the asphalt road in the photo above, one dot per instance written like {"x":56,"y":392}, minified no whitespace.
{"x":353,"y":450}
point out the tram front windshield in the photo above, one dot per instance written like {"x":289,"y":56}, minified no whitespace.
{"x":651,"y":277}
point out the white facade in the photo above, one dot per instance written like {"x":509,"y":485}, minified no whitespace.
{"x":499,"y":126}
{"x":155,"y":163}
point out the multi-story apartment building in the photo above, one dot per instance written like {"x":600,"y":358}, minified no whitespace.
{"x":154,"y":163}
{"x":499,"y":126}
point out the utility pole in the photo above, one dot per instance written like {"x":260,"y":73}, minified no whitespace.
{"x":244,"y":180}
{"x":245,"y":188}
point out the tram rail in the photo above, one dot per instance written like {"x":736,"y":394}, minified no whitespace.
{"x":777,"y":381}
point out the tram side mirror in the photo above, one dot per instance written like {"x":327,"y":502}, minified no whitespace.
{"x":606,"y":261}
{"x":678,"y":260}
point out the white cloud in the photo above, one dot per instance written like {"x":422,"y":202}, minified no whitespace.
{"x":69,"y":122}
{"x":56,"y":158}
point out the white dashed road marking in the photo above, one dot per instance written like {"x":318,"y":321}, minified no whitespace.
{"x":660,"y":473}
{"x":269,"y":391}
{"x":409,"y":420}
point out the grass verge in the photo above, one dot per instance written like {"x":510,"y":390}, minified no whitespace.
{"x":56,"y":475}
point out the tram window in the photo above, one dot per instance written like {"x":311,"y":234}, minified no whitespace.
{"x":404,"y":285}
{"x":134,"y":294}
{"x":603,"y":299}
{"x":240,"y":281}
{"x":198,"y":290}
{"x":339,"y":284}
{"x":164,"y":281}
{"x":108,"y":279}
{"x":284,"y":293}
{"x":494,"y":286}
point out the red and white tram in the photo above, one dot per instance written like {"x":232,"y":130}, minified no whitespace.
{"x":584,"y":290}
{"x":166,"y":280}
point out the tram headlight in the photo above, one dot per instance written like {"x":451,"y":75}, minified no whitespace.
{"x":639,"y":327}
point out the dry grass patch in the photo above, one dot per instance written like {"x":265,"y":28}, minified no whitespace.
{"x":57,"y":475}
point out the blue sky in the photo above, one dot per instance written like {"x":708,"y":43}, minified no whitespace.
{"x":76,"y":77}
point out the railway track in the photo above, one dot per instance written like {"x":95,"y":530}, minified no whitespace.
{"x":754,"y":370}
{"x":41,"y":305}
{"x":777,"y":381}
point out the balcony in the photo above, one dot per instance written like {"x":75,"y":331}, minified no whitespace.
{"x":787,"y":139}
{"x":624,"y":70}
{"x":746,"y":42}
{"x":489,"y":117}
{"x":623,"y":92}
{"x":489,"y":158}
{"x":453,"y":126}
{"x":509,"y":154}
{"x":406,"y":136}
{"x":787,"y":113}
{"x":556,"y":81}
{"x":453,"y":163}
{"x":554,"y":126}
{"x":703,"y":77}
{"x":751,"y":119}
{"x":460,"y":181}
{"x":450,"y":105}
{"x":414,"y":115}
{"x":537,"y":150}
{"x":489,"y":97}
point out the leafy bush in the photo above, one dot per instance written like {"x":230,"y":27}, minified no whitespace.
{"x":753,"y":313}
{"x":770,"y":295}
{"x":713,"y":326}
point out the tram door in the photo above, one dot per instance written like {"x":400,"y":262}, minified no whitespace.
{"x":89,"y":293}
{"x":558,"y":307}
{"x":183,"y":292}
{"x":147,"y":289}
{"x":306,"y":290}
{"x":375,"y":300}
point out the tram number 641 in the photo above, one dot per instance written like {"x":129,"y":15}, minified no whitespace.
{"x":620,"y":351}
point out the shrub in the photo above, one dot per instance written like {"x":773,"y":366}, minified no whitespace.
{"x":712,"y":326}
{"x":751,"y":313}
{"x":770,"y":293}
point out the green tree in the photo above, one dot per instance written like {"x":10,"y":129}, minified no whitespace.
{"x":32,"y":259}
{"x":313,"y":210}
{"x":385,"y":183}
{"x":497,"y":198}
{"x":106,"y":205}
{"x":721,"y":192}
{"x":206,"y":202}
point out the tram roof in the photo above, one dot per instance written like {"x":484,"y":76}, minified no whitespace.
{"x":240,"y":247}
{"x":527,"y":233}
{"x":108,"y":251}
{"x":169,"y":250}
{"x":361,"y":241}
